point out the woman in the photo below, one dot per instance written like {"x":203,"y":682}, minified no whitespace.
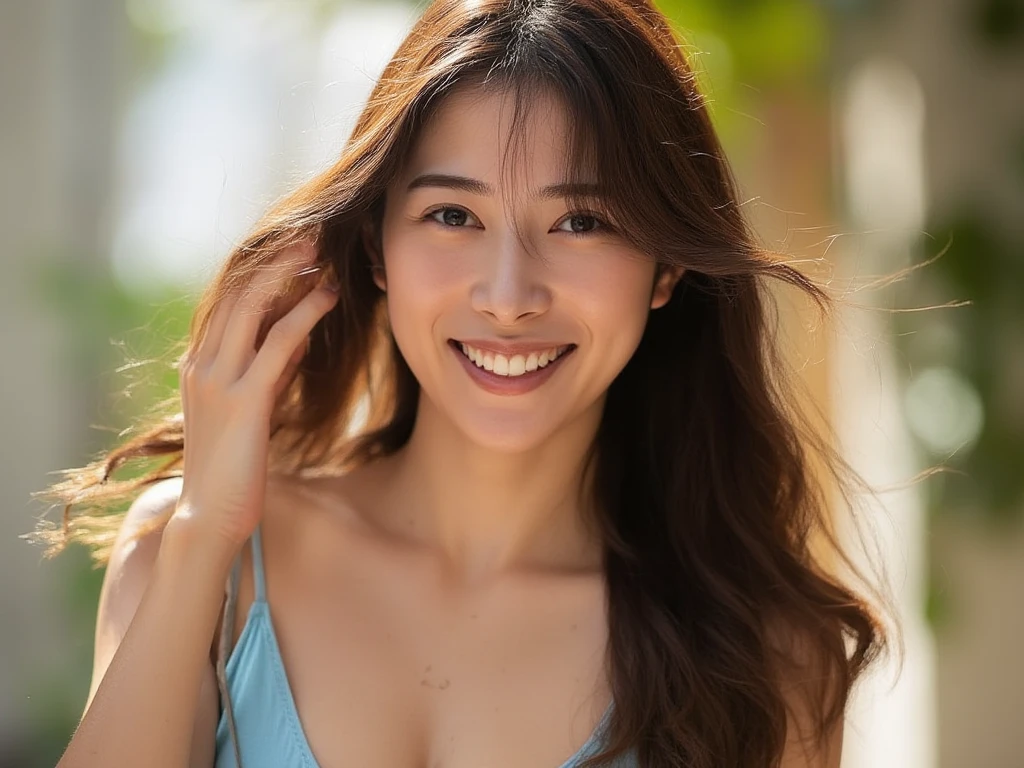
{"x":527,"y":488}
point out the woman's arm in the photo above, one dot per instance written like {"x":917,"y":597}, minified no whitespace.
{"x":153,"y":699}
{"x":144,"y":708}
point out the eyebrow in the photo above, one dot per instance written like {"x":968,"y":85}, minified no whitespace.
{"x":475,"y":186}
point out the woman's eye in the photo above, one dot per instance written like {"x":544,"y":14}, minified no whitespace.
{"x":453,"y":217}
{"x":450,"y":216}
{"x":581,"y":223}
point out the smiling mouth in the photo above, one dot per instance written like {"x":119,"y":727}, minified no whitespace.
{"x":512,"y":366}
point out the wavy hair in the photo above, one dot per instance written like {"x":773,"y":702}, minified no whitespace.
{"x":712,"y":482}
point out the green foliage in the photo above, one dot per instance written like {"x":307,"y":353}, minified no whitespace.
{"x":984,"y":266}
{"x":1000,"y":23}
{"x":107,"y":328}
{"x":59,"y":692}
{"x":769,"y":42}
{"x":741,"y":49}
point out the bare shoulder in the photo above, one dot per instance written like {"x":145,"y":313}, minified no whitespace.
{"x":808,"y":684}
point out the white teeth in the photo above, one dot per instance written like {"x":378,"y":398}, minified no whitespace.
{"x":516,"y":365}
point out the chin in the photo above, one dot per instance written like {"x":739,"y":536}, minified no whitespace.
{"x":510,"y":433}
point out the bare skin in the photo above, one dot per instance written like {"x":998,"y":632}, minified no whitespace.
{"x":390,"y":663}
{"x":455,"y":588}
{"x":445,"y":607}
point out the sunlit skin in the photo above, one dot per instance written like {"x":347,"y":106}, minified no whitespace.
{"x":490,"y":479}
{"x":433,"y":606}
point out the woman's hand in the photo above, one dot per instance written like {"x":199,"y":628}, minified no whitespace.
{"x":229,"y":391}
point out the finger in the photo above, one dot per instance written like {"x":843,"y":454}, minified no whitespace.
{"x":291,"y":370}
{"x":210,"y":342}
{"x":254,"y":305}
{"x":283,"y":383}
{"x":284,"y":336}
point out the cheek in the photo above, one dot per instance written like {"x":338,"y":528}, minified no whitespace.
{"x":416,"y":262}
{"x":423,"y":280}
{"x":613,"y":292}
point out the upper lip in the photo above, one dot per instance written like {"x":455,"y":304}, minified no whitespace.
{"x":510,"y":348}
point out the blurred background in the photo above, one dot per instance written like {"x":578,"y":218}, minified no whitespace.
{"x":140,"y":139}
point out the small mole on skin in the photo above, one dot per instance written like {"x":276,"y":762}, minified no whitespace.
{"x":573,"y":627}
{"x":443,"y":685}
{"x":429,"y":667}
{"x":472,"y":615}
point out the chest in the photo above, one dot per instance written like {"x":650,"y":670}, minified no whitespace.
{"x":389,"y":667}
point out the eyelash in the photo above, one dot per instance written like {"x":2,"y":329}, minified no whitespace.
{"x":602,"y":226}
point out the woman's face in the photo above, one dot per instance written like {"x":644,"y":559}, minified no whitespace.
{"x":456,"y":275}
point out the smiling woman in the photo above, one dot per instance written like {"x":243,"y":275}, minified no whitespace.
{"x":577,"y":517}
{"x":505,"y":273}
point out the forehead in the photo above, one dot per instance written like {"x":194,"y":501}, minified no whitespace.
{"x":470,"y":132}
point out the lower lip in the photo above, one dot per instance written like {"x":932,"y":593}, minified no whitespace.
{"x":508,"y":385}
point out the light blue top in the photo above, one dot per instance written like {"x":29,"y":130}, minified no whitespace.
{"x":269,"y":732}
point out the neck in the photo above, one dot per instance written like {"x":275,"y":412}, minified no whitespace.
{"x":485,"y":513}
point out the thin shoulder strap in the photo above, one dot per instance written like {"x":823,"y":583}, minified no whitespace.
{"x":258,"y":579}
{"x":227,"y":628}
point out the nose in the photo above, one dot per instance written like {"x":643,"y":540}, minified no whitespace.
{"x":511,"y":287}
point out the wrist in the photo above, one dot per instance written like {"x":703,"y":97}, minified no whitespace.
{"x":192,"y":544}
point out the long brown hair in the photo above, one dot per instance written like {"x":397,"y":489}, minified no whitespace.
{"x":711,"y":482}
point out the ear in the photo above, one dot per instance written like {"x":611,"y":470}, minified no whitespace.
{"x":371,"y":242}
{"x":665,"y":281}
